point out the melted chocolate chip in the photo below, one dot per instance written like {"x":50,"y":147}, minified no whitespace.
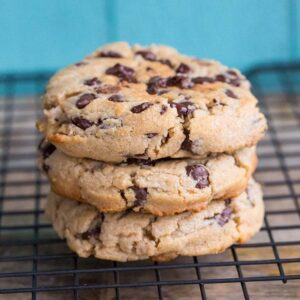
{"x":107,"y":89}
{"x":203,"y":79}
{"x":164,"y":108}
{"x":231,"y":94}
{"x":141,"y":107}
{"x":183,"y":108}
{"x":183,"y":68}
{"x":151,"y":134}
{"x":92,"y":81}
{"x":155,"y":83}
{"x":146,"y":55}
{"x":140,"y":196}
{"x":187,"y":143}
{"x":180,"y":81}
{"x":224,"y":216}
{"x":123,"y":72}
{"x":112,"y":54}
{"x":199,"y":174}
{"x":84,"y":100}
{"x":82,"y":123}
{"x":116,"y":98}
{"x":166,"y":62}
{"x":47,"y":150}
{"x":94,"y":232}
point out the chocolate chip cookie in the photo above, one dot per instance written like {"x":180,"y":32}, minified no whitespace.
{"x":163,"y":187}
{"x":125,"y":102}
{"x":134,"y":236}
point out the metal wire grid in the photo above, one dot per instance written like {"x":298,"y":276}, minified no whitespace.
{"x":36,"y":264}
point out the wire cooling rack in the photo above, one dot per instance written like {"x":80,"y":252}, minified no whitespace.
{"x":36,"y":264}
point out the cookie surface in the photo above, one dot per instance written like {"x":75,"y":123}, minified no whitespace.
{"x":134,"y":236}
{"x":162,"y":188}
{"x":123,"y":102}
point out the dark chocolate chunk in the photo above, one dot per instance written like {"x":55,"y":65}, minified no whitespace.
{"x":148,"y":55}
{"x":183,"y":108}
{"x":47,"y":150}
{"x":85,"y":99}
{"x":231,"y":94}
{"x":151,"y":134}
{"x":82,"y":123}
{"x":166,"y":62}
{"x":199,"y":173}
{"x":112,"y":54}
{"x":93,"y":232}
{"x":92,"y":81}
{"x":107,"y":89}
{"x":141,"y":107}
{"x":187,"y":143}
{"x":164,"y":108}
{"x":123,"y":72}
{"x":224,"y":216}
{"x":46,"y":168}
{"x":183,"y":68}
{"x":180,"y":81}
{"x":203,"y":79}
{"x":140,"y":195}
{"x":81,"y":63}
{"x":116,"y":98}
{"x":155,"y":83}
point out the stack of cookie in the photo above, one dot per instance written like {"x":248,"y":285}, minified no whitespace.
{"x":150,"y":154}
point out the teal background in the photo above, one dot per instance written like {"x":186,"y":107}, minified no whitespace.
{"x":49,"y":34}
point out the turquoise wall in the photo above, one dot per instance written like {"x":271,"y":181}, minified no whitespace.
{"x":48,"y":34}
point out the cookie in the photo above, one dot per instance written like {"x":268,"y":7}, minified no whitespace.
{"x":149,"y":103}
{"x":134,"y":236}
{"x":161,"y":187}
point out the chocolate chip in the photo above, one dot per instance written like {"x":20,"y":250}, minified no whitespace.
{"x":224,"y":216}
{"x":180,"y":81}
{"x":92,"y":81}
{"x":94,"y":232}
{"x":141,"y":107}
{"x":230,"y":77}
{"x":146,"y":55}
{"x":163,"y":109}
{"x":162,"y":92}
{"x":46,"y":168}
{"x":81,"y":63}
{"x":84,"y":100}
{"x":231,"y":94}
{"x":47,"y":150}
{"x":112,"y":54}
{"x":123,"y":72}
{"x":166,"y":62}
{"x":203,"y":79}
{"x":140,"y":196}
{"x":199,"y":174}
{"x":141,"y":162}
{"x":155,"y":83}
{"x":116,"y":98}
{"x":183,"y":68}
{"x":183,"y":108}
{"x":82,"y":123}
{"x":187,"y":143}
{"x":232,"y":72}
{"x":151,"y":134}
{"x":107,"y":89}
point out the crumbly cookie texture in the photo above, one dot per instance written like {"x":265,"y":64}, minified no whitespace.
{"x":123,"y":102}
{"x":159,"y":187}
{"x":134,"y":236}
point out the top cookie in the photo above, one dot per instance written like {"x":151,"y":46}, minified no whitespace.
{"x":131,"y":102}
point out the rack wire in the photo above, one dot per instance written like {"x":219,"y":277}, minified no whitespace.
{"x":36,"y":264}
